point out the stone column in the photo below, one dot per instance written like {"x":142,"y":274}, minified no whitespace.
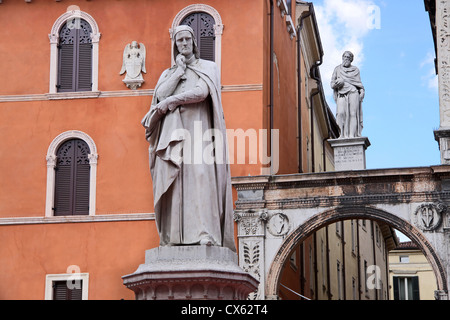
{"x":350,"y":153}
{"x":251,"y":235}
{"x":442,"y":135}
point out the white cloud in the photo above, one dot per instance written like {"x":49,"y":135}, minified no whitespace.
{"x":343,"y":24}
{"x":430,"y":79}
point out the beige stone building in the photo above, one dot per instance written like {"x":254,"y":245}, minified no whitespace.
{"x":336,"y":260}
{"x":346,"y":260}
{"x":411,"y":276}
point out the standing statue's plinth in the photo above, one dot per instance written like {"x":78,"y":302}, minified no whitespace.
{"x":190,"y":272}
{"x":350,"y":153}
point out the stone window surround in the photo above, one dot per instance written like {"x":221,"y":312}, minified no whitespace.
{"x":218,"y":27}
{"x":51,"y":164}
{"x":50,"y":278}
{"x":54,"y":39}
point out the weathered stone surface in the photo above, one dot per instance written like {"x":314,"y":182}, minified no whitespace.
{"x":190,"y":272}
{"x":411,"y":200}
{"x":349,"y":154}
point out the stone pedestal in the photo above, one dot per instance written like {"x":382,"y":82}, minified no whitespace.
{"x":133,"y":84}
{"x":190,"y":272}
{"x":349,"y":153}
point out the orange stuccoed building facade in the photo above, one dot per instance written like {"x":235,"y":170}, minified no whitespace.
{"x":267,"y":53}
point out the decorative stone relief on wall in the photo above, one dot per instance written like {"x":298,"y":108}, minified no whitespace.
{"x":428,"y":216}
{"x":251,"y":258}
{"x":251,"y":234}
{"x":133,"y":64}
{"x":278,"y":224}
{"x":250,"y":223}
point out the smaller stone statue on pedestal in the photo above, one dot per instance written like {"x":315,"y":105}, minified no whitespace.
{"x":348,"y":94}
{"x":350,"y":147}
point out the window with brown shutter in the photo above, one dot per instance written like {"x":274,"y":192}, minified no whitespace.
{"x":72,"y":178}
{"x":203,"y":26}
{"x":75,"y":56}
{"x":61,"y":291}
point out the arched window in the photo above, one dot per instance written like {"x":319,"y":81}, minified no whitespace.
{"x":75,"y":57}
{"x":203,"y":26}
{"x":74,"y":40}
{"x":71,"y":175}
{"x":72,"y":179}
{"x":207,"y":23}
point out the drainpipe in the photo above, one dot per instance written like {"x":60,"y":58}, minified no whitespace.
{"x":316,"y":282}
{"x":271,"y":83}
{"x":299,"y":88}
{"x":374,"y":253}
{"x":314,"y":74}
{"x":344,"y":287}
{"x":327,"y":248}
{"x":359,"y":259}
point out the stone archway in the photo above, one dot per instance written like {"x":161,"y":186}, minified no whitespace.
{"x":351,"y":212}
{"x":275,"y":212}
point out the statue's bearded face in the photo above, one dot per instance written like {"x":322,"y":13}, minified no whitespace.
{"x":184,"y":43}
{"x":347,"y":60}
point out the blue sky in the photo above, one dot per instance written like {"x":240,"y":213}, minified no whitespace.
{"x":393,"y":47}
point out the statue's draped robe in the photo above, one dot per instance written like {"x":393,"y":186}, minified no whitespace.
{"x":192,"y":198}
{"x":352,"y":84}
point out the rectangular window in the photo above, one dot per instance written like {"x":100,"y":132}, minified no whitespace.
{"x":63,"y":291}
{"x":339,"y":280}
{"x":338,"y":228}
{"x":404,"y":259}
{"x":70,"y":286}
{"x":406,"y":288}
{"x":377,"y":235}
{"x":353,"y":236}
{"x":365,"y":277}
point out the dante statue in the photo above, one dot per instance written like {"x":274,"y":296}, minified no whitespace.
{"x":188,"y":151}
{"x":348,"y":94}
{"x":133,"y":63}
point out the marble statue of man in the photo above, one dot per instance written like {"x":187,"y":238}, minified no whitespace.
{"x":192,"y":199}
{"x":348,"y":94}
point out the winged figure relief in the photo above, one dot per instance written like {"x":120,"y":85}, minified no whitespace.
{"x":133,"y":64}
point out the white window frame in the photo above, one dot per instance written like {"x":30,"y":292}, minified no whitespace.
{"x":54,"y":40}
{"x":403,"y":258}
{"x":218,"y":27}
{"x":51,"y":164}
{"x":51,"y":278}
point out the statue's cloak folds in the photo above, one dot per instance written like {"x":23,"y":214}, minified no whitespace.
{"x":165,"y":167}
